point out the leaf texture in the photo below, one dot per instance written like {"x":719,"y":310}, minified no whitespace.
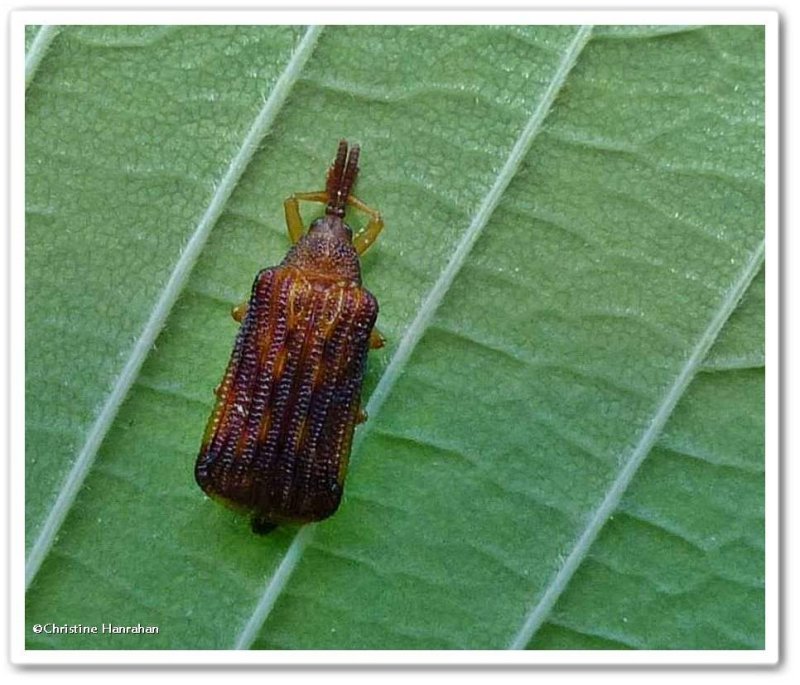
{"x":571,"y":217}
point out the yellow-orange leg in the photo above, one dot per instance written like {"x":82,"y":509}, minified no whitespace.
{"x":368,"y":236}
{"x":296,"y":228}
{"x":376,"y":339}
{"x":291,"y":208}
{"x":239,"y":312}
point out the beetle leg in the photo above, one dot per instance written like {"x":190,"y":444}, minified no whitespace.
{"x":376,"y":339}
{"x":364,"y":239}
{"x":361,"y":416}
{"x":262,"y":526}
{"x":239,"y":312}
{"x":291,"y":208}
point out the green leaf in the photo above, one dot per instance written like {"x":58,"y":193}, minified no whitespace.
{"x":565,"y":444}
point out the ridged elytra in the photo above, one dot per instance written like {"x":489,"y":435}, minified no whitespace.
{"x":278,"y":441}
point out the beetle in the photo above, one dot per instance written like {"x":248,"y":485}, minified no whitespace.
{"x":278,"y":440}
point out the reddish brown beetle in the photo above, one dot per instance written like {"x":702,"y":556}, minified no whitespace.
{"x":278,"y":441}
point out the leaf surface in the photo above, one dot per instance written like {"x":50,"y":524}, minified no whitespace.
{"x":565,"y":444}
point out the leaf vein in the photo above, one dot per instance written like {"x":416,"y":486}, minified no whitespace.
{"x":613,"y":496}
{"x":41,"y":43}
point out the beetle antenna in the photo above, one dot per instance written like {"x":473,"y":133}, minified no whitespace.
{"x":341,"y":177}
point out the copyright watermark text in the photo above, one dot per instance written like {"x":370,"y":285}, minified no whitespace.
{"x":102,"y":629}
